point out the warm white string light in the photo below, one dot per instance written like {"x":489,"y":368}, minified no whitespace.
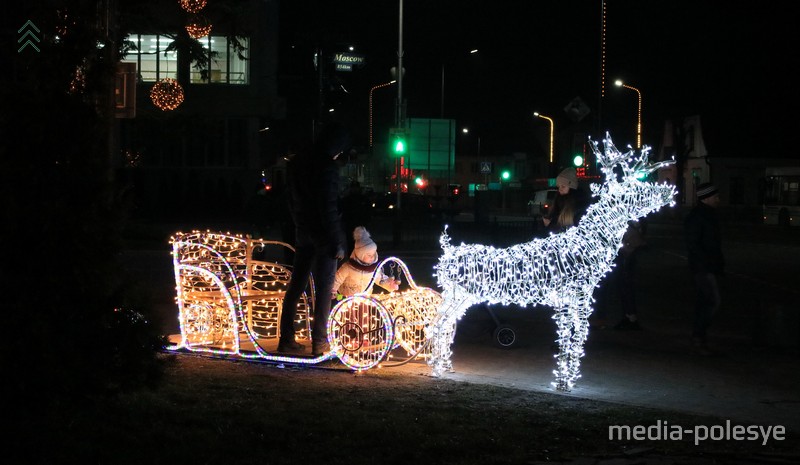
{"x":560,"y":271}
{"x":363,"y":328}
{"x":167,"y":94}
{"x":193,"y":6}
{"x":224,"y":295}
{"x":198,"y":27}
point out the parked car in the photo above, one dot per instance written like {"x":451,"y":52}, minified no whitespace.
{"x":541,"y":202}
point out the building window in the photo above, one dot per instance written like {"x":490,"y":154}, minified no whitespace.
{"x":153,"y":61}
{"x":225,"y":65}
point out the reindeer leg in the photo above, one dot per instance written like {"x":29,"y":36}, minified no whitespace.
{"x":564,"y":332}
{"x":580,"y":329}
{"x":441,"y":334}
{"x":572,"y":321}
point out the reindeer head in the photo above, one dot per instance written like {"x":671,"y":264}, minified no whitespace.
{"x":630,"y":195}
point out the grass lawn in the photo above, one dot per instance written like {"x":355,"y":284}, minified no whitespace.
{"x":224,"y":412}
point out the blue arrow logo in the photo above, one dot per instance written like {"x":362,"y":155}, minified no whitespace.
{"x":30,"y":34}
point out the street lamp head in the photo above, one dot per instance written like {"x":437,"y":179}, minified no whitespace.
{"x":465,"y":130}
{"x":619,"y":83}
{"x":535,"y":113}
{"x":475,"y":50}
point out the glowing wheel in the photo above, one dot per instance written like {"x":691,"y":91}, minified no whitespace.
{"x":504,"y":336}
{"x":360,"y":331}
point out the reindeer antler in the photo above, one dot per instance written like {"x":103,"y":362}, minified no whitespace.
{"x":630,"y":162}
{"x":609,"y":156}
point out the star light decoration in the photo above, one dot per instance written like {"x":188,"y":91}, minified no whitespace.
{"x":560,"y":271}
{"x":167,"y":94}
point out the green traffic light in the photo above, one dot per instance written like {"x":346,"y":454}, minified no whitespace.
{"x":399,"y":146}
{"x":578,"y":160}
{"x":506,"y":175}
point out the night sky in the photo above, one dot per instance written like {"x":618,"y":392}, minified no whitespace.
{"x":728,"y":62}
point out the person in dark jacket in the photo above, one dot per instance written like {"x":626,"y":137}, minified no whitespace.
{"x":706,"y":262}
{"x":355,"y":208}
{"x":570,"y":204}
{"x":313,"y":193}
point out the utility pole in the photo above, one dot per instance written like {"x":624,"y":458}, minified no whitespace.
{"x":399,"y":120}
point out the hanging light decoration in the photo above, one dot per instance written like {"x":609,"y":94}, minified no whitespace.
{"x":198,"y":26}
{"x":193,"y":6}
{"x":78,"y":83}
{"x":167,"y":94}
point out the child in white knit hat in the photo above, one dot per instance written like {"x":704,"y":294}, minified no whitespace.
{"x":354,"y":275}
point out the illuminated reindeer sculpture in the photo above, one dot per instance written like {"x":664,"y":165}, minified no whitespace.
{"x":560,"y":271}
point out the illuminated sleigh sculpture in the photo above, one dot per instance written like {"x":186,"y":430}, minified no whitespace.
{"x":230,"y":304}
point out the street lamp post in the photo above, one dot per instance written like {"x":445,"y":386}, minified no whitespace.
{"x":370,"y":108}
{"x":551,"y":132}
{"x":619,"y":83}
{"x":478,"y":154}
{"x":441,"y":109}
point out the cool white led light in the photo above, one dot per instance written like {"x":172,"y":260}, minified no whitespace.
{"x":560,"y":271}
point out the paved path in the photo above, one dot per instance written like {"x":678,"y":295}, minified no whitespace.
{"x":755,"y":377}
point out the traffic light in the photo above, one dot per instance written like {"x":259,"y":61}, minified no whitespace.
{"x":577,"y":160}
{"x":399,"y":141}
{"x":455,"y":189}
{"x":505,"y":175}
{"x":399,"y":145}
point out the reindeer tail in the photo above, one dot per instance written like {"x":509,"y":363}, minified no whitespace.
{"x":444,"y":240}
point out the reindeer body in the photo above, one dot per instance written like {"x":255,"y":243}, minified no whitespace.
{"x":560,"y":271}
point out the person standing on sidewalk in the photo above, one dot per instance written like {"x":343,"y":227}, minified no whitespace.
{"x":622,"y":283}
{"x":313,"y":197}
{"x":570,"y":203}
{"x":706,"y":262}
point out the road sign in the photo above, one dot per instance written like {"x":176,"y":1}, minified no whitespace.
{"x":486,"y":167}
{"x":345,"y":61}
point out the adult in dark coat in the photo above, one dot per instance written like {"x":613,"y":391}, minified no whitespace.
{"x":313,"y":194}
{"x":706,"y":261}
{"x":355,"y":207}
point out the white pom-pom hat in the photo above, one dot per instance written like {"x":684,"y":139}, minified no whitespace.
{"x":364,"y":246}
